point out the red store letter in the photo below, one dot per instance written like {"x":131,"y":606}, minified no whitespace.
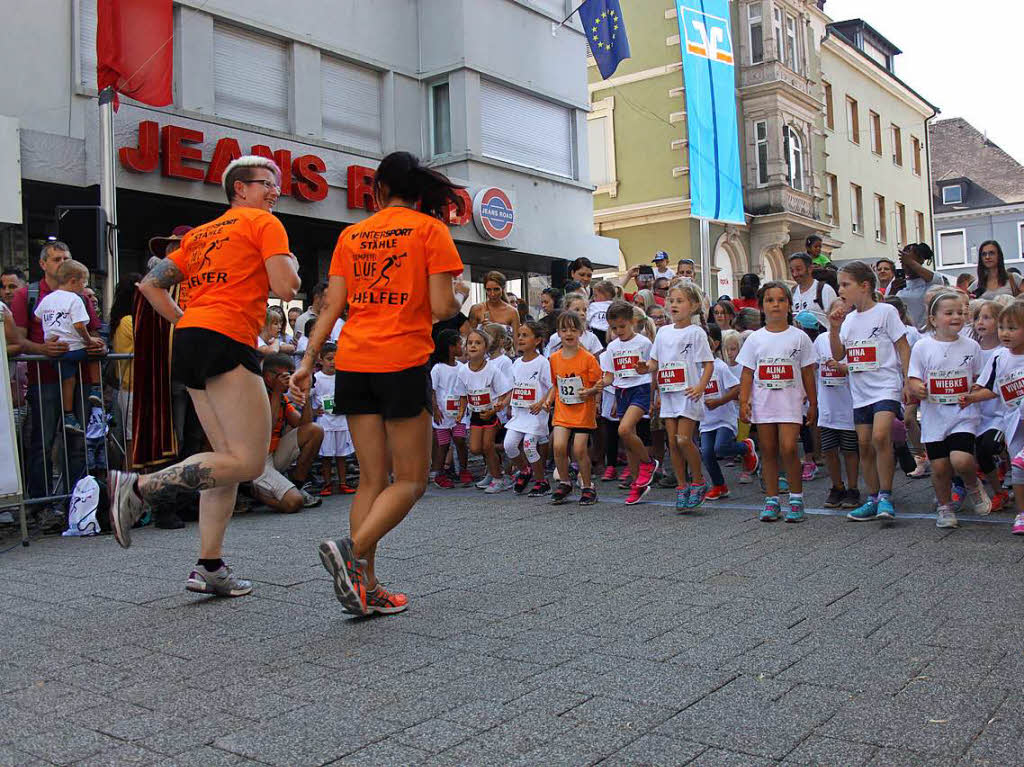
{"x":173,"y":139}
{"x":283,"y":158}
{"x":146,"y":156}
{"x":360,"y":188}
{"x":309,"y":184}
{"x":227,"y":149}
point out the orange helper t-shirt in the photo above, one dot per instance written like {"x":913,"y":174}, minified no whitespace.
{"x":225,"y":277}
{"x":386,"y":261}
{"x":584,"y":365}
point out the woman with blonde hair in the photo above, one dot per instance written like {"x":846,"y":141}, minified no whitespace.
{"x":644,"y":299}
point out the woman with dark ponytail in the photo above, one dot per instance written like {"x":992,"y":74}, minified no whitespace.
{"x":394,"y":271}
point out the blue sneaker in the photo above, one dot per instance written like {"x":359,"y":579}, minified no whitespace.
{"x":796,"y":510}
{"x":683,"y":500}
{"x":783,"y":485}
{"x":865,"y":513}
{"x":957,"y":496}
{"x":697,"y":495}
{"x":885,"y":509}
{"x":771,"y":511}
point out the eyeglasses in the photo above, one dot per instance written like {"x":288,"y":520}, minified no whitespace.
{"x":267,"y":184}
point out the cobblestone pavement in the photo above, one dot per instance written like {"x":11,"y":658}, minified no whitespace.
{"x":537,"y":635}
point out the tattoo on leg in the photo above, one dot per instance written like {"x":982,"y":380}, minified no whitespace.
{"x":164,"y":486}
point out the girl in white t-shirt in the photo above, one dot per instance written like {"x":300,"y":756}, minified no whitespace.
{"x":1002,"y":380}
{"x":944,"y":367}
{"x":682,"y":364}
{"x":990,"y":443}
{"x":778,"y":377}
{"x":732,"y":342}
{"x":597,"y":311}
{"x":872,"y":341}
{"x":444,"y":384}
{"x":718,"y":427}
{"x":577,"y":305}
{"x":484,"y":390}
{"x":528,"y":423}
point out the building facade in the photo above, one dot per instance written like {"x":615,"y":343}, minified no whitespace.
{"x":877,"y":195}
{"x":978,"y":194}
{"x":327,"y":87}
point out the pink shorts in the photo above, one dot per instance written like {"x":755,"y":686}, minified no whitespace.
{"x":444,"y":436}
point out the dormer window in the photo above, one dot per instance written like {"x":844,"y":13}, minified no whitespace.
{"x":952,"y":195}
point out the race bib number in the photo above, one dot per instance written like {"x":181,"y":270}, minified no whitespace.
{"x":524,"y":396}
{"x":569,"y":388}
{"x":862,"y":355}
{"x":672,"y":377}
{"x":624,"y":363}
{"x":1011,"y":388}
{"x":831,"y":376}
{"x":776,"y":373}
{"x":451,"y":406}
{"x":712,"y":389}
{"x":945,"y":387}
{"x":479,"y":400}
{"x":329,"y":405}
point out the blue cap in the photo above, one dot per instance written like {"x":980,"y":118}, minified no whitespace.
{"x":661,"y":256}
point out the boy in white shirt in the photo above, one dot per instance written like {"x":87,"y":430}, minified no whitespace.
{"x":337,"y":444}
{"x":65,"y":317}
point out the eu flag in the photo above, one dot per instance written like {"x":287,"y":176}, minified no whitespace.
{"x":606,"y":33}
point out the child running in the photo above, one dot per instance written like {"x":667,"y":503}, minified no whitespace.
{"x":578,"y":305}
{"x":528,"y":425}
{"x":625,"y":365}
{"x":990,"y":443}
{"x":484,"y":389}
{"x":778,"y":376}
{"x":597,"y":313}
{"x":873,"y":341}
{"x":444,"y":381}
{"x":718,"y":428}
{"x":337,"y":444}
{"x":682,"y":364}
{"x":835,"y":419}
{"x":578,"y":382}
{"x":943,"y":368}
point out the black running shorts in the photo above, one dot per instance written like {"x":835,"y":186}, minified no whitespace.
{"x":200,"y":354}
{"x":402,"y":394}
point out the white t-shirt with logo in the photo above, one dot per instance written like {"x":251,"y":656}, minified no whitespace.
{"x":323,"y":398}
{"x":444,"y":379}
{"x":622,"y":358}
{"x":58,"y":311}
{"x":777,"y":359}
{"x":607,"y":393}
{"x":1004,"y":376}
{"x":991,"y":412}
{"x":876,"y":372}
{"x":835,"y":403}
{"x":588,"y":341}
{"x":725,"y":416}
{"x":597,"y":315}
{"x":681,"y":354}
{"x":531,"y":382}
{"x":808,"y":301}
{"x":483,"y":387}
{"x":948,"y":370}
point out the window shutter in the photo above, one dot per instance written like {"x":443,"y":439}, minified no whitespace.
{"x":598,"y":147}
{"x":525,"y":130}
{"x":250,"y":76}
{"x":87,"y":42}
{"x":350,"y":100}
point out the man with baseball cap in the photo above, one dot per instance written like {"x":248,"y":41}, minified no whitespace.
{"x":661,"y":267}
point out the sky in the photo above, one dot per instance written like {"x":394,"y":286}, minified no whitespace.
{"x":962,"y":57}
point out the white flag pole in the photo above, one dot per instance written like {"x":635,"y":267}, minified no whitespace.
{"x":108,"y":193}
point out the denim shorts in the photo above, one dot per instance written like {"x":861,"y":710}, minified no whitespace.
{"x":866,"y":415}
{"x":67,"y":364}
{"x":633,"y":395}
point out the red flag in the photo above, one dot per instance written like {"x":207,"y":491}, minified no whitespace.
{"x":135,"y":50}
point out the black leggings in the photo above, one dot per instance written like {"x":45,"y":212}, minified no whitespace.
{"x":611,"y":438}
{"x":988,"y":448}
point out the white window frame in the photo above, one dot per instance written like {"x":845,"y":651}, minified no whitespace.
{"x":830,"y":107}
{"x":919,"y":225}
{"x":759,"y":19}
{"x":960,"y":194}
{"x":1020,"y":243}
{"x":900,"y":214}
{"x":778,"y":24}
{"x":794,"y":157}
{"x":875,"y":131}
{"x":832,"y":198}
{"x":915,"y":152}
{"x":940,"y":235}
{"x":605,"y":108}
{"x":896,"y":135}
{"x":792,"y":49}
{"x":433,"y":107}
{"x":857,"y":210}
{"x":881,"y":213}
{"x":758,"y":143}
{"x":852,"y":119}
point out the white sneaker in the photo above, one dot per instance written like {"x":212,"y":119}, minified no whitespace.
{"x":980,"y":501}
{"x":483,"y":483}
{"x":496,"y":486}
{"x":126,"y":506}
{"x":947,"y":517}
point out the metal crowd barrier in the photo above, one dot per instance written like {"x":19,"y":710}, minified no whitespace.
{"x":51,"y":458}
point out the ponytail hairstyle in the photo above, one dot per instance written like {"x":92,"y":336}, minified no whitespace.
{"x":485,"y":337}
{"x":555,"y":295}
{"x":538,"y":331}
{"x":861,"y":272}
{"x":446,"y":339}
{"x":897,"y":303}
{"x":401,"y":175}
{"x":777,"y":285}
{"x":715,"y":335}
{"x":642,"y":324}
{"x":727,"y":337}
{"x":936,"y":300}
{"x":500,"y":339}
{"x":691,"y":292}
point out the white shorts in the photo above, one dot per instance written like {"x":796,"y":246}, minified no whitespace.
{"x":272,"y":481}
{"x":337,"y":444}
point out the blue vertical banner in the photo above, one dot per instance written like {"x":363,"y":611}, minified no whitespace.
{"x":705,"y":36}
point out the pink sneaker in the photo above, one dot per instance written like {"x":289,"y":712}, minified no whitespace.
{"x":646,"y":473}
{"x":810,"y":471}
{"x":609,"y":474}
{"x":1018,"y":524}
{"x":636,"y":492}
{"x":444,"y":481}
{"x":625,"y":474}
